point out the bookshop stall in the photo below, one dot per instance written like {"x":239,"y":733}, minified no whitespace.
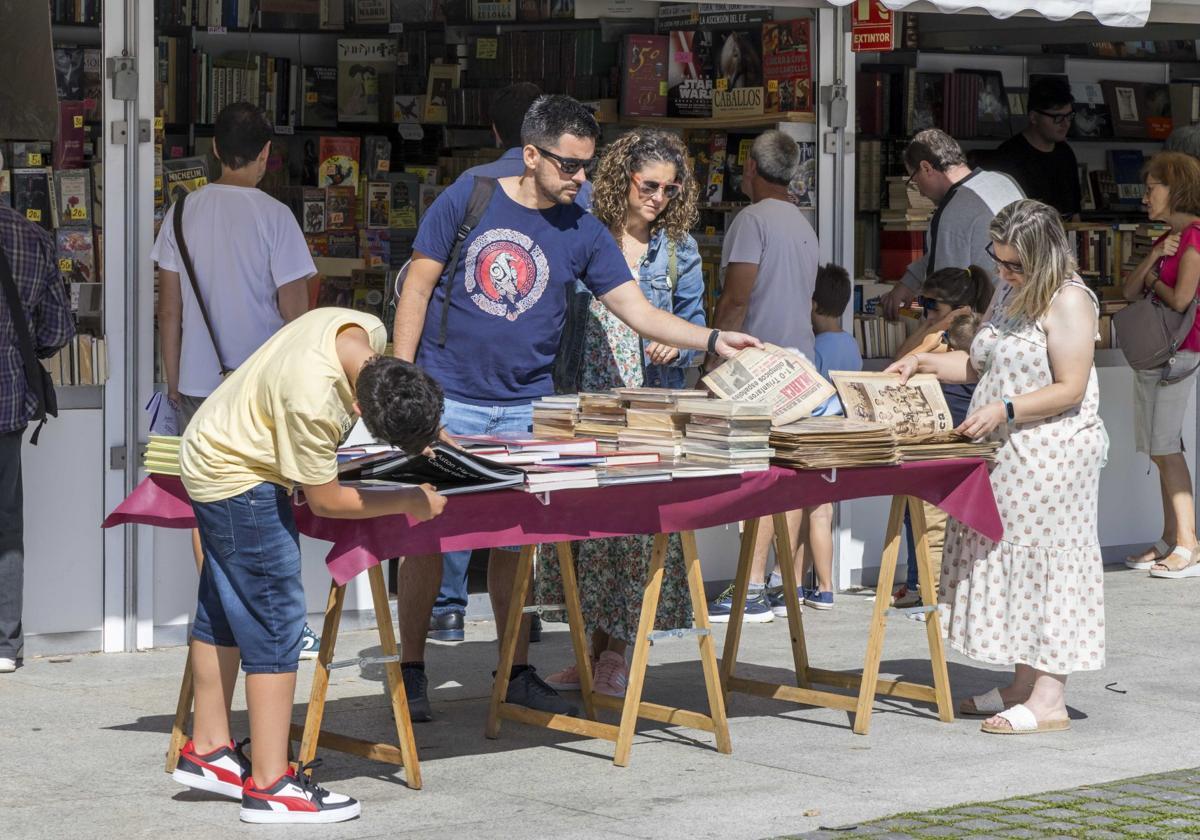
{"x":379,"y":104}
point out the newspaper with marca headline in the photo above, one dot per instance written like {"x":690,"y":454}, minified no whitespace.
{"x":916,"y":411}
{"x":786,"y":380}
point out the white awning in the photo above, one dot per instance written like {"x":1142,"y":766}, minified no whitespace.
{"x":1108,"y":12}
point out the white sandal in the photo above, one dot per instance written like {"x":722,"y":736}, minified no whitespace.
{"x":1022,"y":722}
{"x":983,"y":705}
{"x":1161,"y":549}
{"x":1192,"y":569}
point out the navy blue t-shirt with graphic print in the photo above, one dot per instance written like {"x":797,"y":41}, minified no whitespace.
{"x":508,"y":297}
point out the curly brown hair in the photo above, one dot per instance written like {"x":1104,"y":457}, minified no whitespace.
{"x":628,"y":154}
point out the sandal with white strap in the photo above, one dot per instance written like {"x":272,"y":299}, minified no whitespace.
{"x":1022,"y":722}
{"x":982,"y":705}
{"x":1161,"y":550}
{"x":1187,"y":566}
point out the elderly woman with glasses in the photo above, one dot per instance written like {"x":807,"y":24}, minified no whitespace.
{"x":1035,"y":599}
{"x":645,"y":194}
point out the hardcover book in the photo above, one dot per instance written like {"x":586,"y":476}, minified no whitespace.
{"x":689,"y":73}
{"x":405,"y":194}
{"x":68,"y":72}
{"x":372,"y":12}
{"x":644,"y":75}
{"x":787,"y":65}
{"x":183,"y":175}
{"x":68,"y":151}
{"x":319,"y":103}
{"x":379,"y":205}
{"x":1123,"y":101}
{"x":366,"y":79}
{"x":73,"y":197}
{"x":738,"y":85}
{"x":31,"y":195}
{"x":312,"y":219}
{"x":1156,"y":107}
{"x":377,"y":157}
{"x":76,"y":257}
{"x":339,"y":209}
{"x":1126,"y":168}
{"x":928,"y":106}
{"x":339,"y":157}
{"x":1092,"y":118}
{"x":343,"y":246}
{"x":486,"y":11}
{"x":991,"y":106}
{"x":93,"y":89}
{"x":442,"y":79}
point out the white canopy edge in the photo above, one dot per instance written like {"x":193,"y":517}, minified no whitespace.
{"x":1125,"y":13}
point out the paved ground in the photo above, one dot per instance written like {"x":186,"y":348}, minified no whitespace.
{"x":82,"y":741}
{"x":1165,"y":805}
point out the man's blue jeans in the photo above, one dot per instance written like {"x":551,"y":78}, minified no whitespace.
{"x":466,"y":419}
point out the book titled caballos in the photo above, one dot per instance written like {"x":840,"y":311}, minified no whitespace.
{"x":451,"y":471}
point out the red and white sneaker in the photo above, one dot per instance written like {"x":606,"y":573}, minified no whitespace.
{"x":295,"y":798}
{"x":223,"y":771}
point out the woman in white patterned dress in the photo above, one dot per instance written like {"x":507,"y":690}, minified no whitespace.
{"x":1034,"y":600}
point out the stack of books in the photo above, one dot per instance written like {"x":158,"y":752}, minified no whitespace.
{"x":824,"y":442}
{"x":727,"y":433}
{"x":601,"y":416}
{"x":556,"y":416}
{"x":907,"y":209}
{"x":162,"y":455}
{"x":651,"y":421}
{"x":941,"y":450}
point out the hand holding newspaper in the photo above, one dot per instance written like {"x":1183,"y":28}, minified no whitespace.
{"x":786,"y":380}
{"x":916,"y":411}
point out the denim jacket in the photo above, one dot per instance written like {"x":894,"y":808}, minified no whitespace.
{"x":686,"y":300}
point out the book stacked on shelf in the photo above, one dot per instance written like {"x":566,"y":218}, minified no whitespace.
{"x":162,"y":455}
{"x":651,"y":420}
{"x":727,"y":433}
{"x":879,"y":338}
{"x":556,"y":416}
{"x":907,"y":209}
{"x":548,"y":477}
{"x":824,"y":442}
{"x":601,"y":416}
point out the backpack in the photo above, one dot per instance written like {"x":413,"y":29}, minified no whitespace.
{"x":481,"y":196}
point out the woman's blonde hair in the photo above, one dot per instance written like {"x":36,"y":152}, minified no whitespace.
{"x":1034,"y":230}
{"x":628,"y":154}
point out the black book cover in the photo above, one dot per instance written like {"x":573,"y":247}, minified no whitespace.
{"x":451,"y":471}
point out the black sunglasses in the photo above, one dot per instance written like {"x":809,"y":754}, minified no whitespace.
{"x":569,"y":166}
{"x":1014,"y":267}
{"x":1058,"y":119}
{"x":927,"y":303}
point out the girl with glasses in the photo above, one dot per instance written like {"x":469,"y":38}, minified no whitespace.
{"x":1033,"y":600}
{"x":645,"y":194}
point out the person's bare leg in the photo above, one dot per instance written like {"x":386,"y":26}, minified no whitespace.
{"x":819,"y":533}
{"x":214,"y":675}
{"x":1047,"y":697}
{"x":269,"y":699}
{"x":502,"y":573}
{"x":1177,"y":481}
{"x":617,"y":645}
{"x":418,"y":582}
{"x":600,"y":642}
{"x":197,"y":550}
{"x":762,"y":547}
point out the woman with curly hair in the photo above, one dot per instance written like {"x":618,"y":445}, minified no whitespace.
{"x":645,"y":193}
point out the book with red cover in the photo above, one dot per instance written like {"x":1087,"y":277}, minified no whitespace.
{"x":787,"y":65}
{"x":644,"y":76}
{"x":339,"y":162}
{"x":68,"y":151}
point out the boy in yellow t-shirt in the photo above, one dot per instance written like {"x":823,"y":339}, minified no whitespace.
{"x":273,"y":425}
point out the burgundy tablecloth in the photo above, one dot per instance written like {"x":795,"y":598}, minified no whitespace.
{"x":510,"y":517}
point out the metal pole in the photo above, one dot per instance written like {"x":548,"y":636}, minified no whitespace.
{"x":132,"y":263}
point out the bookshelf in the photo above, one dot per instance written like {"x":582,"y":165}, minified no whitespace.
{"x":761,"y":122}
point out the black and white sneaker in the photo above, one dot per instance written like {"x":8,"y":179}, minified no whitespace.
{"x":295,"y":798}
{"x":223,"y":771}
{"x":310,"y":643}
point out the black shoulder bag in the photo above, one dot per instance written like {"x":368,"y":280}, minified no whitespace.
{"x":37,"y":376}
{"x":477,"y":204}
{"x":181,"y":244}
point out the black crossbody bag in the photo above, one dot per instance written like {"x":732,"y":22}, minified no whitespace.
{"x":181,"y":244}
{"x":37,"y":376}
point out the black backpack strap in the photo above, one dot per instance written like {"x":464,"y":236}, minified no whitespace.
{"x":481,"y":197}
{"x":181,"y":244}
{"x":34,"y":372}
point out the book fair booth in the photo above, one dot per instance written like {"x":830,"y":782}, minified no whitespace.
{"x":138,"y":84}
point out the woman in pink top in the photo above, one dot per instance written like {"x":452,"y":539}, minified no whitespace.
{"x":1171,"y":271}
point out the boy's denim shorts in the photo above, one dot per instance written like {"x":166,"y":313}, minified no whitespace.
{"x":251,"y":596}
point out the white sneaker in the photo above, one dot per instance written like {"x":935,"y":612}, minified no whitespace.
{"x":7,"y":666}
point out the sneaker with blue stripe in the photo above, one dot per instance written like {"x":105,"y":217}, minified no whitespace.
{"x":758,"y":608}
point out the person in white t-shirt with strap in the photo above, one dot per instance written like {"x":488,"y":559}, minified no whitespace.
{"x":252,"y":267}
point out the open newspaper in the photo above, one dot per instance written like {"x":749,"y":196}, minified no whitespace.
{"x":916,"y":411}
{"x":786,"y":380}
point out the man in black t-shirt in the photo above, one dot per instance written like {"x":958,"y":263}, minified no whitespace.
{"x":1039,"y":158}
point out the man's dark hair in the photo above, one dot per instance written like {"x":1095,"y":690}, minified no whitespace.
{"x":935,"y":147}
{"x":508,"y":108}
{"x":552,"y":116}
{"x":400,"y":403}
{"x":832,"y":291}
{"x":240,"y":132}
{"x":1048,"y":92}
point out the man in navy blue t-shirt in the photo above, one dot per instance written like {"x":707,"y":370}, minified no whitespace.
{"x":507,"y":307}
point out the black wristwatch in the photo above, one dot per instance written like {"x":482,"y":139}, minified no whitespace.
{"x":1010,"y":410}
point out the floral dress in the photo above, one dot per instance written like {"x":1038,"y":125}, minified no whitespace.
{"x":1036,"y":597}
{"x":612,"y":572}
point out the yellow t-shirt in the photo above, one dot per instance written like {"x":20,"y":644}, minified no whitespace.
{"x":280,"y":416}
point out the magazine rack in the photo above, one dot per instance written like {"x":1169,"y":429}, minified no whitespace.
{"x":868,"y":684}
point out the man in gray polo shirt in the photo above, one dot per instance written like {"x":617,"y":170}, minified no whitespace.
{"x":967,"y":200}
{"x":770,"y":258}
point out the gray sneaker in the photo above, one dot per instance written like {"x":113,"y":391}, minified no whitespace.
{"x":527,"y":689}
